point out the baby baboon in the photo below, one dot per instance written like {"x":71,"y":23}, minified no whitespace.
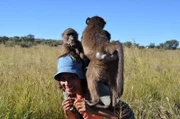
{"x":73,"y":47}
{"x":108,"y":35}
{"x":99,"y":49}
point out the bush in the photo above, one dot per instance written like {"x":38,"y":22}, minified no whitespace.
{"x":10,"y":44}
{"x":26,"y":44}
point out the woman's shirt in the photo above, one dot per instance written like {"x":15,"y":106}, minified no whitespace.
{"x":105,"y":99}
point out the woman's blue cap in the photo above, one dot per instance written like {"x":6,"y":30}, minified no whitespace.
{"x":68,"y":65}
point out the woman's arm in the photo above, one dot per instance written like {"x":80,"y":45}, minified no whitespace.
{"x":103,"y":112}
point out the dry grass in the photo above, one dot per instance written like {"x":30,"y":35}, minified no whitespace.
{"x":27,"y":88}
{"x":152,"y":83}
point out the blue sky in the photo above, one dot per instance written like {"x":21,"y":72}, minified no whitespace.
{"x":145,"y":21}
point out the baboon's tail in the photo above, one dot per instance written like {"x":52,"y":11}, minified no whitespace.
{"x":120,"y":74}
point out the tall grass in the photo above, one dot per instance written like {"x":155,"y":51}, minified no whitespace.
{"x":152,"y":83}
{"x":27,"y":88}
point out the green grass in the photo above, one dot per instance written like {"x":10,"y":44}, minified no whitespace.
{"x":27,"y":88}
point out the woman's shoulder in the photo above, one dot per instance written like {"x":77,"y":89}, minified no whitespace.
{"x":124,"y":111}
{"x":122,"y":108}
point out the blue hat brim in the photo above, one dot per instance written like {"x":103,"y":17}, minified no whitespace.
{"x":68,"y":65}
{"x":69,"y":70}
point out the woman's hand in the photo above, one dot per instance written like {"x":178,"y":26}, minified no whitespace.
{"x":67,"y":105}
{"x":83,"y":109}
{"x":81,"y":106}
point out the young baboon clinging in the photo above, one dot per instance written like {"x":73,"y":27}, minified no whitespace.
{"x":97,"y":48}
{"x":72,"y":46}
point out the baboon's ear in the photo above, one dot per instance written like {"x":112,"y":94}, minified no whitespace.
{"x":87,"y":20}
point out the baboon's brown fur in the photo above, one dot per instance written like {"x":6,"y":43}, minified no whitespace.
{"x":99,"y":49}
{"x":72,"y":46}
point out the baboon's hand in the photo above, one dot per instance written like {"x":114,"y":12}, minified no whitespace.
{"x":106,"y":57}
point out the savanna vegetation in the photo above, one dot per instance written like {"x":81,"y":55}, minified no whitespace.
{"x":30,"y":40}
{"x":28,"y":90}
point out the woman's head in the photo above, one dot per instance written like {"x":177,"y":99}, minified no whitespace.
{"x":69,"y":74}
{"x":70,"y":83}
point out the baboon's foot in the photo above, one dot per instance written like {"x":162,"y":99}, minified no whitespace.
{"x":75,"y":57}
{"x":92,"y":103}
{"x":95,"y":104}
{"x":102,"y":106}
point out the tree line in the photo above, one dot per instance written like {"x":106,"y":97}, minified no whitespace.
{"x":167,"y":45}
{"x":30,"y":40}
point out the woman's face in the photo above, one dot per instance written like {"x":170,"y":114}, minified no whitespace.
{"x":70,"y":83}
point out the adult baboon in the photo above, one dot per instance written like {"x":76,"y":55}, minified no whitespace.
{"x":72,"y":46}
{"x":98,"y":49}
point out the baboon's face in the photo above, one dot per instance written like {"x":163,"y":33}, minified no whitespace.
{"x":70,"y":37}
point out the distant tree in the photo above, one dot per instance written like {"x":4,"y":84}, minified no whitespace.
{"x":28,"y":41}
{"x":152,"y":45}
{"x":160,"y":46}
{"x":171,"y":44}
{"x":30,"y":37}
{"x":16,"y":39}
{"x":141,"y":47}
{"x":128,"y":44}
{"x":135,"y":45}
{"x":4,"y":39}
{"x":54,"y":43}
